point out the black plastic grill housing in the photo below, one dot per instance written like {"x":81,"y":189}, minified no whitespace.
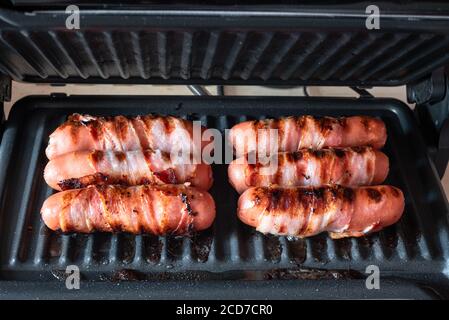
{"x":417,"y":245}
{"x":242,"y":45}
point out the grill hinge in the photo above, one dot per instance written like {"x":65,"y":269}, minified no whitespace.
{"x":430,"y":90}
{"x":432,"y":110}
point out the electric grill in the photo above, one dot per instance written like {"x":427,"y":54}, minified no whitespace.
{"x":267,"y":45}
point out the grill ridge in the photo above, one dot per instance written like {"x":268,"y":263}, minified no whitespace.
{"x":256,"y":54}
{"x":299,"y":60}
{"x":399,"y":51}
{"x":114,"y":48}
{"x":371,"y":53}
{"x":280,"y":55}
{"x":29,"y":60}
{"x":90,"y":54}
{"x":324,"y":56}
{"x":35,"y":45}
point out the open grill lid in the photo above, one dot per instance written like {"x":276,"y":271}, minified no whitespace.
{"x":225,"y":45}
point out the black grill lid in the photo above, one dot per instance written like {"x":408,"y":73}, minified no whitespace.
{"x":224,"y":45}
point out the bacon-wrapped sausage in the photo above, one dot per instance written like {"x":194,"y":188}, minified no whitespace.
{"x":295,"y":133}
{"x":157,"y":209}
{"x":82,"y":168}
{"x":84,"y":132}
{"x":356,"y":166}
{"x":306,"y":211}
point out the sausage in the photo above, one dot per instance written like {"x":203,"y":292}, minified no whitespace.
{"x":156,"y":209}
{"x":84,"y":132}
{"x":82,"y":168}
{"x":306,"y":211}
{"x":354,"y":166}
{"x":295,"y":133}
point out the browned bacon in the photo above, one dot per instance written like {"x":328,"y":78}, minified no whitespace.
{"x":306,"y":211}
{"x":82,"y":168}
{"x":295,"y":133}
{"x":119,"y":133}
{"x":355,"y":166}
{"x":158,"y":209}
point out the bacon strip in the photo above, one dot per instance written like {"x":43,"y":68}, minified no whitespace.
{"x":82,"y":168}
{"x":354,"y":166}
{"x":160,"y":210}
{"x":304,"y":211}
{"x":119,"y":133}
{"x":295,"y":133}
